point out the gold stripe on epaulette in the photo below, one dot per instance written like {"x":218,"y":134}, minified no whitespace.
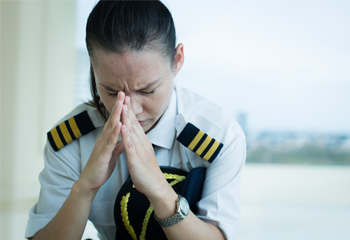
{"x":204,"y":145}
{"x":74,"y":128}
{"x":195,"y":141}
{"x":65,"y":133}
{"x":211,"y":151}
{"x":57,"y":138}
{"x":69,"y":130}
{"x":199,"y":142}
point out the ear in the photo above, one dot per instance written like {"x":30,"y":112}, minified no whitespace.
{"x":179,"y":58}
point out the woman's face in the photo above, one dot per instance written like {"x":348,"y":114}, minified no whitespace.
{"x":146,"y":77}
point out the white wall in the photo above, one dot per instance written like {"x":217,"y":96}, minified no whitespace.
{"x":37,"y":88}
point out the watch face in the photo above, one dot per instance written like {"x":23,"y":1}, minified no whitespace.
{"x":185,"y":209}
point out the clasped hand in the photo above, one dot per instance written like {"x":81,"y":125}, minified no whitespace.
{"x":143,"y":166}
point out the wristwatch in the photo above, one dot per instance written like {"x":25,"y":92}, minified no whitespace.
{"x":183,"y":209}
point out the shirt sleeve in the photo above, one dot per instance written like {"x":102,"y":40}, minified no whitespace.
{"x":61,"y":170}
{"x":220,"y":202}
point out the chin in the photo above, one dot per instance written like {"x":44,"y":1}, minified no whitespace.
{"x":148,"y":127}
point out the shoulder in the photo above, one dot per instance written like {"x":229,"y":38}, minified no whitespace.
{"x":205,"y":114}
{"x":200,"y":118}
{"x":79,"y":122}
{"x":91,"y":111}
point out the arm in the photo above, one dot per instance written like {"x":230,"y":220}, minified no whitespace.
{"x":70,"y":220}
{"x":190,"y":228}
{"x":149,"y":180}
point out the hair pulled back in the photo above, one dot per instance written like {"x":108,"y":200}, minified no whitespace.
{"x":121,"y":26}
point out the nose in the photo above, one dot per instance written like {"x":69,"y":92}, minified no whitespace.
{"x":136,"y":105}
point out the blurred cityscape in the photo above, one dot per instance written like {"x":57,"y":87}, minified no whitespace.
{"x":295,"y":147}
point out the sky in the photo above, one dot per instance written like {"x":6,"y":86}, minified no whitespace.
{"x":285,"y":64}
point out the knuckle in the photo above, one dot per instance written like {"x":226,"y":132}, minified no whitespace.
{"x":110,"y":126}
{"x":110,"y":142}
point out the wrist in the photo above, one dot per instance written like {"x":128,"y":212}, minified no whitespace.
{"x":182,"y":211}
{"x":79,"y":190}
{"x":164,"y":203}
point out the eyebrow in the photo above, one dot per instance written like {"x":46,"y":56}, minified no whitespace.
{"x":108,"y":88}
{"x":144,"y":88}
{"x":151,"y":84}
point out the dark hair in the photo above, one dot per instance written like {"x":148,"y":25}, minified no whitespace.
{"x":121,"y":26}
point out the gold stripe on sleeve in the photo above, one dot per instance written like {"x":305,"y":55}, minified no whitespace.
{"x":204,"y":145}
{"x":74,"y":127}
{"x":65,"y":133}
{"x":211,"y":150}
{"x":196,"y":140}
{"x":56,"y":138}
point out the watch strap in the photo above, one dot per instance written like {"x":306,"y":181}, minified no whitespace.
{"x":170,"y":221}
{"x":178,"y":217}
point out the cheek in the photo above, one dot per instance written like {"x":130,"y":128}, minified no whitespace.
{"x":157,"y":106}
{"x":150,"y":106}
{"x":107,"y":101}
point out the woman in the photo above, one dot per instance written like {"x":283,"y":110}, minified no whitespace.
{"x":138,"y":120}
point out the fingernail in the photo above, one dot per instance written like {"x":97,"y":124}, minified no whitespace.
{"x":127,"y":99}
{"x":125,"y":108}
{"x":123,"y":128}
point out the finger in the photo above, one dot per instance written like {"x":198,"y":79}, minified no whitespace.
{"x":129,"y":146}
{"x":132,"y":117}
{"x":116,"y":111}
{"x":137,"y":134}
{"x":112,"y":121}
{"x":131,"y":127}
{"x":131,"y":111}
{"x":121,"y":97}
{"x":113,"y":137}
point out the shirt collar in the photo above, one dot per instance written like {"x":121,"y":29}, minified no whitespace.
{"x":163,"y":133}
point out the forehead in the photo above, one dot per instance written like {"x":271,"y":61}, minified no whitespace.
{"x":132,"y":68}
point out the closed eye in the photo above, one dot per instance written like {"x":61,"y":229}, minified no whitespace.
{"x":147,"y":93}
{"x":113,"y":94}
{"x":143,"y":92}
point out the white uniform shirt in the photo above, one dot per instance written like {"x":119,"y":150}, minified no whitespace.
{"x":219,"y":203}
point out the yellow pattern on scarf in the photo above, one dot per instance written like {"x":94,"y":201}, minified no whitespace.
{"x":124,"y":209}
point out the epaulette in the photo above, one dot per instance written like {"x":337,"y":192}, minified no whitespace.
{"x":69,"y":130}
{"x":199,"y":142}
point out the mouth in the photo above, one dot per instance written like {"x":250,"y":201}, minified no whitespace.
{"x":142,"y":123}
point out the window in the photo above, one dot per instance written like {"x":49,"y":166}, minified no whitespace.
{"x":281,"y":68}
